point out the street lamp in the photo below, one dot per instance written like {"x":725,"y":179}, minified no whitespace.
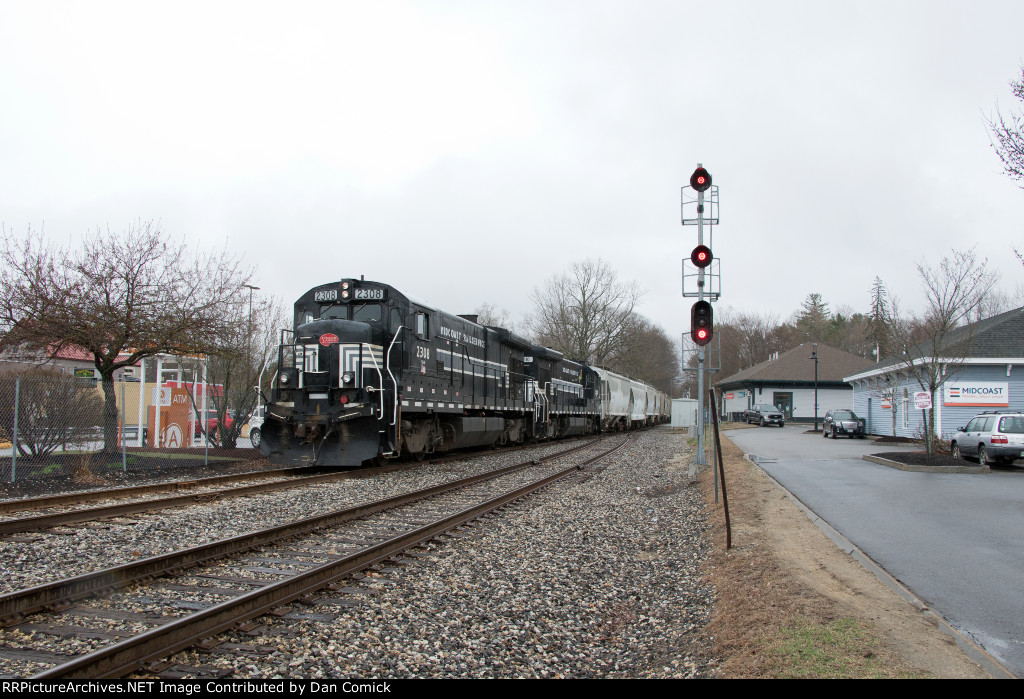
{"x":251,"y":289}
{"x":248,"y":334}
{"x":814,"y":356}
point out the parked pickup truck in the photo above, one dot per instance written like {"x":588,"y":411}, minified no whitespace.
{"x":764,"y":414}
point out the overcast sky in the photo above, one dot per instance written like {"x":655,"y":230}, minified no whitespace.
{"x":466,"y":151}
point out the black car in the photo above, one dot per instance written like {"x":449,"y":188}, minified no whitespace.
{"x":843,"y":422}
{"x":764,"y":414}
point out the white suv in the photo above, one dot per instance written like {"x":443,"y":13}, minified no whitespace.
{"x":991,"y":438}
{"x":255,"y":423}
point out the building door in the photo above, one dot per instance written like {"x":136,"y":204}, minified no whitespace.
{"x":784,"y":402}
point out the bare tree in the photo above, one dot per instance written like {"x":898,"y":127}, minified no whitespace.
{"x":1008,"y":135}
{"x":121,"y":297}
{"x":648,"y":354}
{"x":240,"y":373}
{"x":887,"y":388}
{"x":584,"y":312}
{"x":997,"y":301}
{"x":489,"y":314}
{"x":932,"y":348}
{"x":750,"y":338}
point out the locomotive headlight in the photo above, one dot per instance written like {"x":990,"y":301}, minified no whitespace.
{"x":285,"y":379}
{"x":344,"y":294}
{"x":344,"y":285}
{"x":347,"y":378}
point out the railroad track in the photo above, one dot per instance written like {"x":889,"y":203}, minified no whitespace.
{"x":67,"y":507}
{"x":198,"y":494}
{"x":242,"y":577}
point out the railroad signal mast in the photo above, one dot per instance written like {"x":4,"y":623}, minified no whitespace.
{"x":702,"y":328}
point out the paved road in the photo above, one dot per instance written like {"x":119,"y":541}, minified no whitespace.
{"x":955,"y":540}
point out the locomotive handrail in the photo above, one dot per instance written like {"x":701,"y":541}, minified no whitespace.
{"x":380,"y":390}
{"x":380,"y":377}
{"x":540,"y":398}
{"x":394,"y":413}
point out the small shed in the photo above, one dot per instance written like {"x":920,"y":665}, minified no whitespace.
{"x":684,"y":412}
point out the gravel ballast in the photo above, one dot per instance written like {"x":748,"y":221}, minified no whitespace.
{"x":600,"y":579}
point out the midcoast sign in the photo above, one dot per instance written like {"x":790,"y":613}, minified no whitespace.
{"x":989,"y":394}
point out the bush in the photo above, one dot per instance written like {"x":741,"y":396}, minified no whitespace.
{"x":55,"y":410}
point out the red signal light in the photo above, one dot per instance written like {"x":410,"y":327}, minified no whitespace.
{"x":700,"y":180}
{"x":701,"y":256}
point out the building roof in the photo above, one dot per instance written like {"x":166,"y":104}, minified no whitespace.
{"x":72,"y":352}
{"x":36,"y":356}
{"x":796,"y":366}
{"x":999,"y":338}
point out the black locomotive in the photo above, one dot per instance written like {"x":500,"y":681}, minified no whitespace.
{"x":368,"y":374}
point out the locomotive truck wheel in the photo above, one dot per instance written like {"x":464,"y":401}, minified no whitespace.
{"x":254,"y":438}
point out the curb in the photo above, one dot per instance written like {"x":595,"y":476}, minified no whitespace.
{"x":926,"y":469}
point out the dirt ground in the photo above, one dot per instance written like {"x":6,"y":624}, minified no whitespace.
{"x":782,"y":572}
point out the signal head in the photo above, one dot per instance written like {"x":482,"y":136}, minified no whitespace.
{"x":701,"y":323}
{"x":700,"y":180}
{"x":701,"y":256}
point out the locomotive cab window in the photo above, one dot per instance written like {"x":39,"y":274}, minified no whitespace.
{"x":334,"y":311}
{"x":368,"y":313}
{"x":422,"y":326}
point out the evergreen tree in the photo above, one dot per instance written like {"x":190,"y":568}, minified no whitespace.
{"x":814,"y":319}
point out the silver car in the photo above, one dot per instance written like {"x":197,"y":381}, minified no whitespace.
{"x":990,"y":438}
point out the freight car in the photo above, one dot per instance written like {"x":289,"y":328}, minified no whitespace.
{"x":368,"y":374}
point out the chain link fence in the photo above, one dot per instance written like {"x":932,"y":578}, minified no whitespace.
{"x":54,"y":430}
